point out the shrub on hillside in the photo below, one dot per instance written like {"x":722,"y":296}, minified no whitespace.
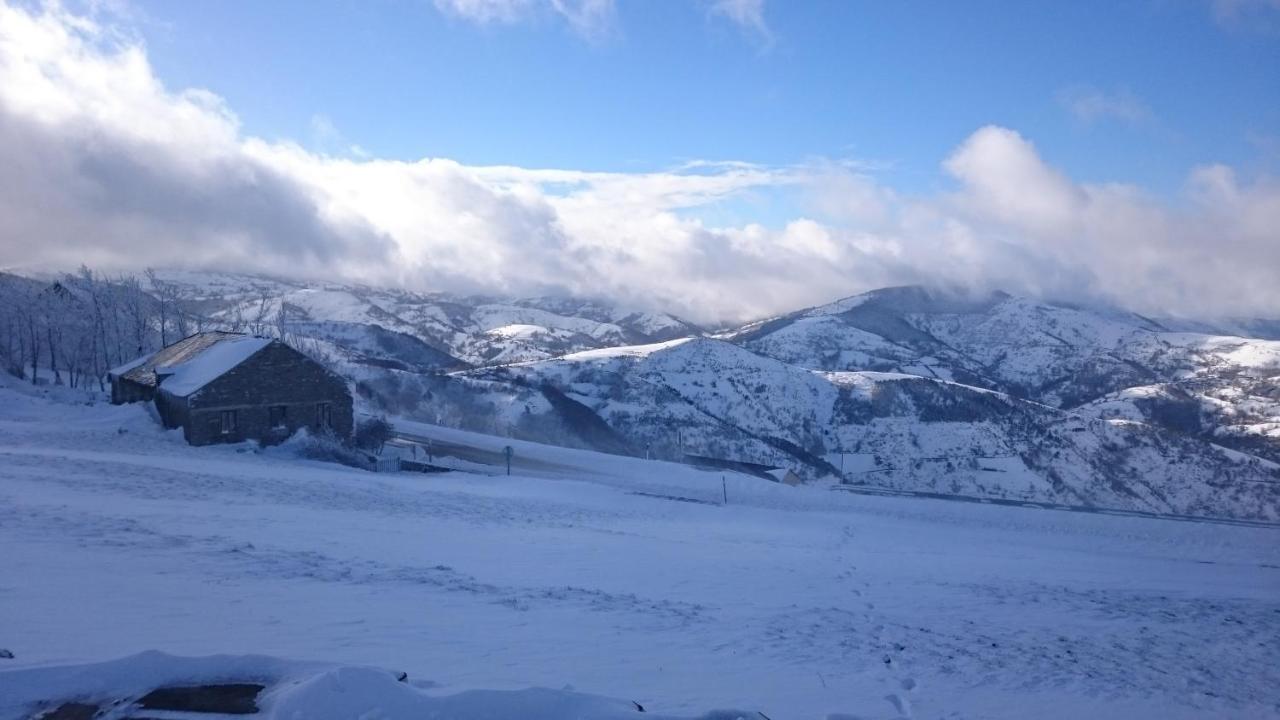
{"x":372,"y":434}
{"x":326,"y":447}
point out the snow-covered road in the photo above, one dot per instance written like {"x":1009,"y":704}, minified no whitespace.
{"x":116,"y":542}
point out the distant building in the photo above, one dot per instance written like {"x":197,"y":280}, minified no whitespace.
{"x":227,"y":387}
{"x":786,"y":476}
{"x":771,"y":473}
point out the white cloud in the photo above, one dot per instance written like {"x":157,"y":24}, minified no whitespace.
{"x":1253,"y":15}
{"x":1005,"y":181}
{"x":324,"y":134}
{"x":100,"y":163}
{"x":326,"y":138}
{"x":1091,"y":105}
{"x":592,"y":19}
{"x":486,"y":11}
{"x":748,"y":15}
{"x":1032,"y":228}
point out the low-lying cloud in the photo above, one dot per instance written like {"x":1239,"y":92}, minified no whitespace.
{"x":101,"y":164}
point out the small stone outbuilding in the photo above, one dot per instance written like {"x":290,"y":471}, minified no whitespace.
{"x":228,"y":387}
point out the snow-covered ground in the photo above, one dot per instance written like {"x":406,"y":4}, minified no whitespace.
{"x":116,"y":538}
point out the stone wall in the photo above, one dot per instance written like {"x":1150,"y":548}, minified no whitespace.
{"x":276,"y":376}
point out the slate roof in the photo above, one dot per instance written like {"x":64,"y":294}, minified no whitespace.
{"x":191,"y":363}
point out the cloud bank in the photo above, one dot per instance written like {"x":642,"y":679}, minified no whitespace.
{"x":102,"y":164}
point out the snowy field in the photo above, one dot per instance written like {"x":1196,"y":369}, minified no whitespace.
{"x":116,"y":538}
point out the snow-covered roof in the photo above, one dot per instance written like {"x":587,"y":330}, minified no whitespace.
{"x":142,"y":370}
{"x":192,"y":362}
{"x":183,"y":379}
{"x":131,"y":365}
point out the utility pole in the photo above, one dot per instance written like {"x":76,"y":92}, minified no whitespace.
{"x":724,"y":488}
{"x":508,"y":451}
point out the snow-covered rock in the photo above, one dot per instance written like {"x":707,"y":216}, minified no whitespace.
{"x":291,"y":689}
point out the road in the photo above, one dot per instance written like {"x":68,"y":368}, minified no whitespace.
{"x":523,"y":465}
{"x":435,"y":448}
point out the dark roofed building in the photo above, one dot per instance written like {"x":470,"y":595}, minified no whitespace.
{"x":771,"y":473}
{"x":137,"y":380}
{"x":227,"y":387}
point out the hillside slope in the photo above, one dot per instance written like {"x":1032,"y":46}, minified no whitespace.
{"x":463,"y":330}
{"x":708,"y":397}
{"x":906,"y":388}
{"x":1220,"y":388}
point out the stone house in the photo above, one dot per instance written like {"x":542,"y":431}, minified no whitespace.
{"x":228,"y":387}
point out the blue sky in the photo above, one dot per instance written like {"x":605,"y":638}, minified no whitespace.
{"x":1172,"y":83}
{"x":721,"y":159}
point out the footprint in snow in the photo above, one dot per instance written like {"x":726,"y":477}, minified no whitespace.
{"x":901,"y":704}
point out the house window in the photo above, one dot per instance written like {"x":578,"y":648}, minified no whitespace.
{"x":228,"y":422}
{"x":323,"y":415}
{"x":277,"y":415}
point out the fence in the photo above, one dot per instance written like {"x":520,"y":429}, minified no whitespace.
{"x":386,"y":463}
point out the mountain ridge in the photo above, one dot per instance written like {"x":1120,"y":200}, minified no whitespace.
{"x":904,"y":388}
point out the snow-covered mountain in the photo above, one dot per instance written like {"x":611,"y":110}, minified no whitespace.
{"x":985,"y":395}
{"x":709,"y":397}
{"x":1102,"y":362}
{"x":424,"y":330}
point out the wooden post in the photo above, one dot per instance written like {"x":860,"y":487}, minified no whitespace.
{"x":725,"y":489}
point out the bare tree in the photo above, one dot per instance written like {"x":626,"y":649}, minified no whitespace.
{"x":14,"y":310}
{"x":33,"y":322}
{"x":73,"y":330}
{"x":263,"y":319}
{"x":138,"y":308}
{"x":98,"y":358}
{"x":164,"y":308}
{"x":50,"y":312}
